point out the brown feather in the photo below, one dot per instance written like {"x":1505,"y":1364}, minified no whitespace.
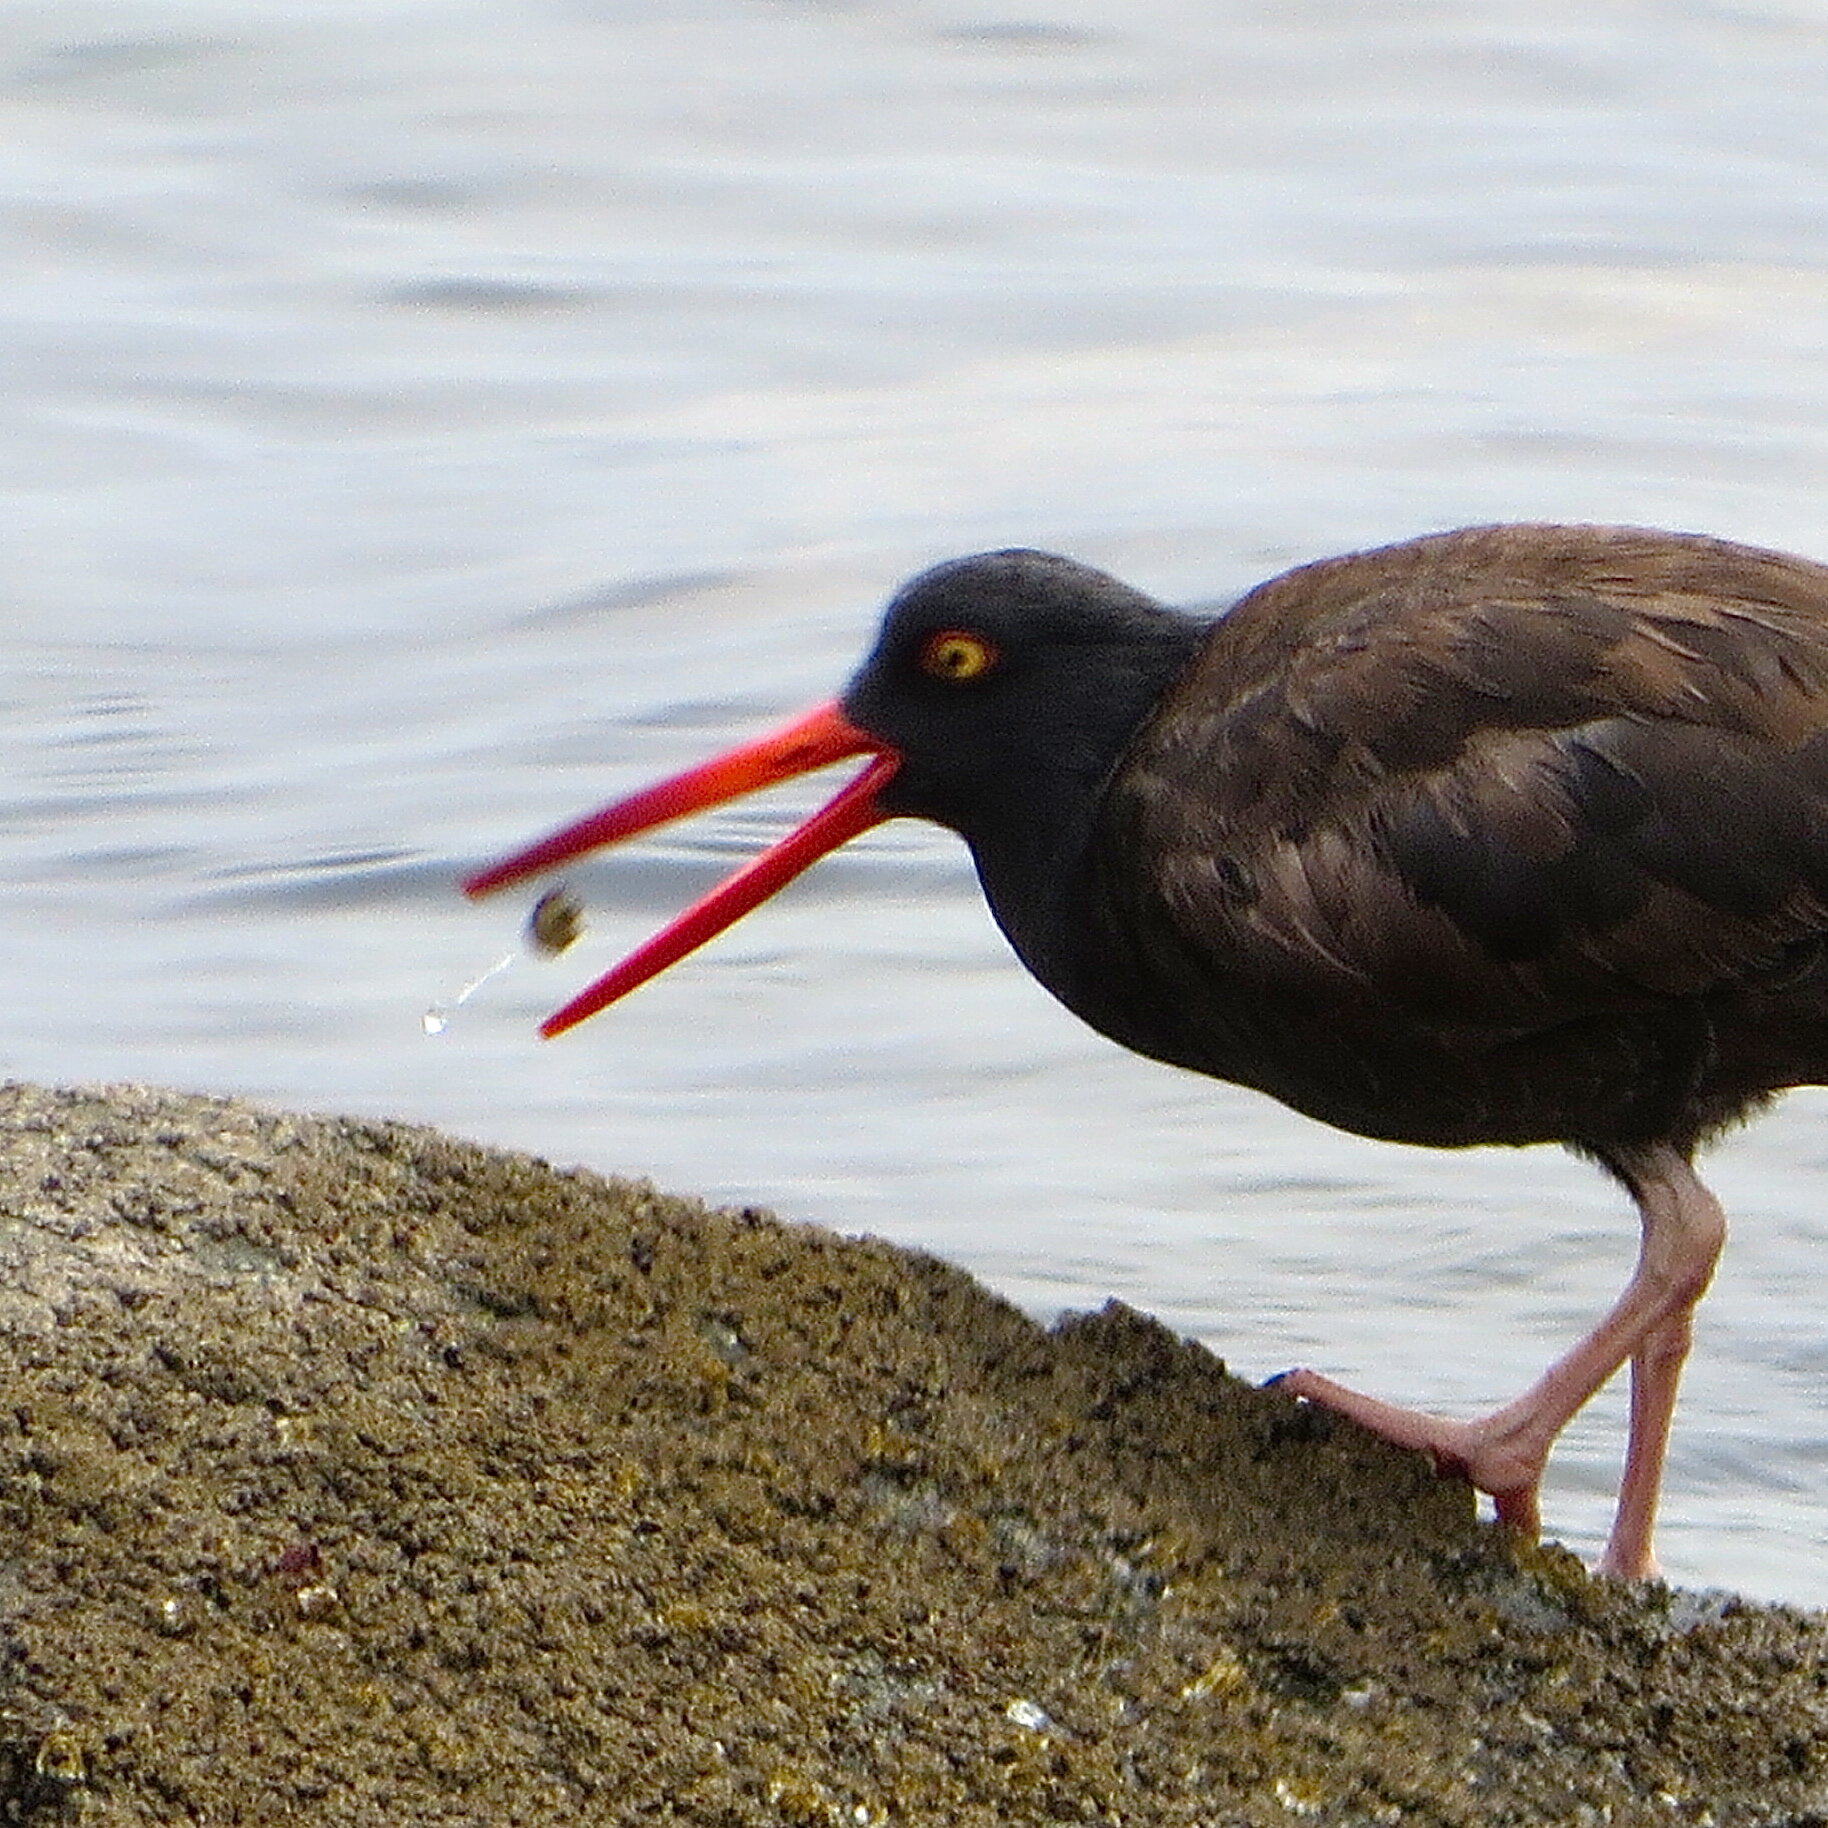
{"x":1489,"y":800}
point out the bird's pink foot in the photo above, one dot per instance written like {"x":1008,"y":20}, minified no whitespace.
{"x":1502,"y":1454}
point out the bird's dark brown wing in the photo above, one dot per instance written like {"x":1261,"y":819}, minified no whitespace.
{"x":1499,"y":780}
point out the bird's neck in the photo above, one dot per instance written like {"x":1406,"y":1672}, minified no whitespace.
{"x":1060,"y":935}
{"x":1033,"y":838}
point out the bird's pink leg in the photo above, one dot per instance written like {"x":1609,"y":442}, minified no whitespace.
{"x":1504,"y":1453}
{"x":1655,"y":1370}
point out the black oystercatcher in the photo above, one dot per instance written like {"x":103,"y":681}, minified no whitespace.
{"x":1511,"y":835}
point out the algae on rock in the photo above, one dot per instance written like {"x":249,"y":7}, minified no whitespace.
{"x":352,"y":1473}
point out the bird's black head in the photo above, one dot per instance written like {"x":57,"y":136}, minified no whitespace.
{"x":1010,"y":684}
{"x":1002,"y":692}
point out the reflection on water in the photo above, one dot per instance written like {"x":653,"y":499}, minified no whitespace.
{"x":428,"y":420}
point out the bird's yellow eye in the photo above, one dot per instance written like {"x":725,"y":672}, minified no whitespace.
{"x":956,"y":654}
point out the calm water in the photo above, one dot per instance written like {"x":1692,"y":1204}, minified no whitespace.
{"x":428,"y":417}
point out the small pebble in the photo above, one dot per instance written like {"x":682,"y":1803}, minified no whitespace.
{"x":556,"y":922}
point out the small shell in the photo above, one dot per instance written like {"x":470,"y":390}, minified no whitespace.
{"x":316,"y":1602}
{"x":62,"y":1758}
{"x":556,"y":922}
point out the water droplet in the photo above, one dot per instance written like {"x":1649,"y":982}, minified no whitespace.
{"x":438,"y":1018}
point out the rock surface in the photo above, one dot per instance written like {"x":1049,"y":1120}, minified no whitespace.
{"x":353,"y":1474}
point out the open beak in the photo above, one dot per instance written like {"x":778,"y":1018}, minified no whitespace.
{"x":816,"y":740}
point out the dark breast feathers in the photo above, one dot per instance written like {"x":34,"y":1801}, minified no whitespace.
{"x":1515,"y":834}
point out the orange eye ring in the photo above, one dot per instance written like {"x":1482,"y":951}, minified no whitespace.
{"x":956,"y":655}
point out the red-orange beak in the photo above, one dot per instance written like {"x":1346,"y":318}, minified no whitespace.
{"x":816,"y":740}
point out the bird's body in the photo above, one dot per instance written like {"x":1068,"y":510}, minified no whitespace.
{"x":1512,"y":835}
{"x":1508,"y":836}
